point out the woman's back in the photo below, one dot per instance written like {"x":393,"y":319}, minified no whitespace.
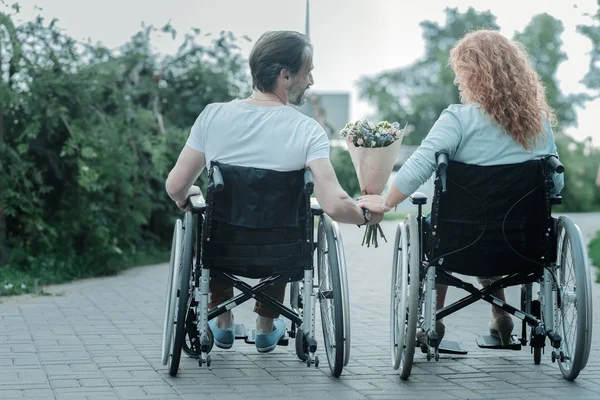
{"x":469,"y":135}
{"x":482,"y":142}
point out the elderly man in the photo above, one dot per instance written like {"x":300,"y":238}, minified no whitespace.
{"x":263,"y":131}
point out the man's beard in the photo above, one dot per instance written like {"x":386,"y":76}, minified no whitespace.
{"x":296,"y":96}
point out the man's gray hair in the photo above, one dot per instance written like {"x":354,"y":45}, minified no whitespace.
{"x":274,"y":51}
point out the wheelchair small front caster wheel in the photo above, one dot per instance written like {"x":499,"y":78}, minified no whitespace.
{"x":317,"y":361}
{"x":200,"y":361}
{"x":437,"y":355}
{"x":428,"y":355}
{"x":308,"y":362}
{"x":208,"y":361}
{"x":553,"y":356}
{"x":562,"y":356}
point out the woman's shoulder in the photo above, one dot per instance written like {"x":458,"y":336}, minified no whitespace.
{"x":462,"y":110}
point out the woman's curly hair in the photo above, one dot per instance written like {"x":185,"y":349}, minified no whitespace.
{"x":496,"y":73}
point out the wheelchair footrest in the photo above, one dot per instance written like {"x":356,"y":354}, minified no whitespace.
{"x":491,"y":342}
{"x":249,"y":335}
{"x":451,"y":347}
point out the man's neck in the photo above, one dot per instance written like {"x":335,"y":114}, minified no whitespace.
{"x":269,"y":97}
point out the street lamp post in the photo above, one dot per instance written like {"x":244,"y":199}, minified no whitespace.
{"x":307,"y":26}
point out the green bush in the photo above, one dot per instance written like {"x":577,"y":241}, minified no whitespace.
{"x":594,"y":254}
{"x":344,"y":169}
{"x":87,"y":138}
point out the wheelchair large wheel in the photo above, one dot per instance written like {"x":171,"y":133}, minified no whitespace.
{"x":330,"y":295}
{"x":574,"y":322}
{"x":404,"y":302}
{"x":172,"y":278}
{"x":183,"y":294}
{"x":345,"y":293}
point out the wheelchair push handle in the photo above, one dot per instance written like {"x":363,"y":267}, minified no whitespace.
{"x":555,"y":164}
{"x":309,"y":183}
{"x":442,"y":166}
{"x":217,"y":179}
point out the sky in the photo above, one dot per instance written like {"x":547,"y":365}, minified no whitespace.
{"x":352,"y":38}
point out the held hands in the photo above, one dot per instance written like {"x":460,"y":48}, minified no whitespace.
{"x":376,"y":217}
{"x":183,"y":204}
{"x":374,"y":203}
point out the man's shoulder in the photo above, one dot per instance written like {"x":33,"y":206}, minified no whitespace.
{"x":305,"y":120}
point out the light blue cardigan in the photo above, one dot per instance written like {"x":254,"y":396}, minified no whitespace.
{"x":468,"y":135}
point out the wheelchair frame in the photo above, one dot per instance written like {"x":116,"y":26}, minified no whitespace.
{"x":188,"y":292}
{"x":414,"y":306}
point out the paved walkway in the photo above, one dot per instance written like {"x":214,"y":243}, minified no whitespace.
{"x":101,"y":339}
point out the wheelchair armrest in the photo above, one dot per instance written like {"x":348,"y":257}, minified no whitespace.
{"x":418,"y":198}
{"x":315,"y":207}
{"x":198,"y":203}
{"x":555,"y":164}
{"x":309,"y":183}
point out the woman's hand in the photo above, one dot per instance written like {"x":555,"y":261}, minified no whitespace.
{"x":374,"y":203}
{"x":183,"y":204}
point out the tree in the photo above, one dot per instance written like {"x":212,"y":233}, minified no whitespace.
{"x":592,"y":32}
{"x":420,"y":92}
{"x":88,"y":137}
{"x":542,"y":40}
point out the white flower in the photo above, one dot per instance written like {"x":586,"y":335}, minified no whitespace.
{"x":8,"y":286}
{"x":23,"y":286}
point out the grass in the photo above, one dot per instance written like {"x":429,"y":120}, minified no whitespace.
{"x":15,"y":281}
{"x":394,"y":216}
{"x":594,"y":254}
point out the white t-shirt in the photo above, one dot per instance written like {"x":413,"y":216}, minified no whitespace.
{"x":276,"y":138}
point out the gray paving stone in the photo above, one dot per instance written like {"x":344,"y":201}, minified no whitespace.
{"x":101,"y":339}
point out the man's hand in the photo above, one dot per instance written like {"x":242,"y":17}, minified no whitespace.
{"x":183,"y":205}
{"x":375,"y":218}
{"x":373,"y":203}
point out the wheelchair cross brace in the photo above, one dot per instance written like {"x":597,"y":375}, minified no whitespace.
{"x":483,"y":294}
{"x":249,"y":292}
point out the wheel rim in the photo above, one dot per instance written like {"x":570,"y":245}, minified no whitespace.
{"x":183,"y":291}
{"x":402,"y":291}
{"x":410,"y":250}
{"x":173,"y":276}
{"x":325,"y":299}
{"x":398,"y":298}
{"x":574,"y":316}
{"x":344,"y":286}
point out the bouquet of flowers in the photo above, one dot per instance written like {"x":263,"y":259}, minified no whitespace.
{"x":373,"y":149}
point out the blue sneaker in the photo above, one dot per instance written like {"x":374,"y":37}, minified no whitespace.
{"x":223,"y":337}
{"x":266,"y":342}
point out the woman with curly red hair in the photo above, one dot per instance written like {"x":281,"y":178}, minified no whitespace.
{"x":504,"y":118}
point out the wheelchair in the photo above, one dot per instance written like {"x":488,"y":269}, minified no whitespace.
{"x":257,"y":224}
{"x":492,"y":221}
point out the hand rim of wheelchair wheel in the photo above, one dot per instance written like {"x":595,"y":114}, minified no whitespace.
{"x":184,"y":283}
{"x":575,"y":345}
{"x":397,"y":301}
{"x":332,"y":323}
{"x":169,"y":320}
{"x":345,"y":289}
{"x":411,"y":242}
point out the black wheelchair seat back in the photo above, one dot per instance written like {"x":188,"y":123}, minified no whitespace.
{"x":258,"y":223}
{"x":492,"y":220}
